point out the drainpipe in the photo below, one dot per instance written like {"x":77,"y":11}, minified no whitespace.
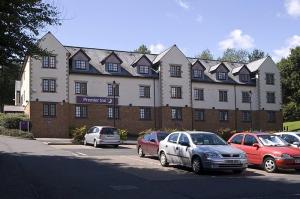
{"x":235,"y":111}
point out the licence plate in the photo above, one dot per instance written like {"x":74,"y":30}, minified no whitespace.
{"x":297,"y":161}
{"x":233,"y":161}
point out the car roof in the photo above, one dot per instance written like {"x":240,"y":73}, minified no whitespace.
{"x":255,"y":133}
{"x":291,"y":132}
{"x":105,"y":127}
{"x":193,"y":132}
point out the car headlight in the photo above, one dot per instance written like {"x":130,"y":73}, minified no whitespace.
{"x":286,"y":156}
{"x":212,"y":155}
{"x":243,"y":155}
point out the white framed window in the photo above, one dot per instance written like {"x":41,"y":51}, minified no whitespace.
{"x":223,"y":97}
{"x":110,"y":90}
{"x":145,"y":113}
{"x":49,"y":110}
{"x":110,"y":112}
{"x":80,"y":64}
{"x":81,"y":88}
{"x":80,"y":111}
{"x":270,"y":80}
{"x":221,"y":76}
{"x":271,"y":97}
{"x":198,"y":94}
{"x":244,"y":77}
{"x":49,"y":62}
{"x":246,"y":97}
{"x":143,"y":69}
{"x":198,"y":73}
{"x":223,"y":115}
{"x":246,"y":116}
{"x":199,"y":115}
{"x":176,"y":92}
{"x":49,"y":85}
{"x":175,"y":71}
{"x":144,"y":91}
{"x":176,"y":113}
{"x":112,"y":67}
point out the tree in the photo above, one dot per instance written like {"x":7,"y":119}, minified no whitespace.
{"x":255,"y":55}
{"x":20,"y":24}
{"x":206,"y":54}
{"x":234,"y":55}
{"x":290,"y":79}
{"x":143,"y":49}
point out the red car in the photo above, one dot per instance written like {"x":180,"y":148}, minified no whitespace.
{"x":148,"y":144}
{"x":268,"y":150}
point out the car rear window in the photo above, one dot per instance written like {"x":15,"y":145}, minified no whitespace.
{"x":161,"y":136}
{"x":109,"y":131}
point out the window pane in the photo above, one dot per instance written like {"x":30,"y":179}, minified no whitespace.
{"x":45,"y":61}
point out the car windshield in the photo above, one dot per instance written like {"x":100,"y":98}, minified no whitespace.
{"x":109,"y":131}
{"x":298,"y":134}
{"x":272,"y":140}
{"x":207,"y":139}
{"x":161,"y":136}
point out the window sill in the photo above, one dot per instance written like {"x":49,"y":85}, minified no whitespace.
{"x":46,"y":116}
{"x":49,"y":92}
{"x":113,"y":118}
{"x":145,"y":119}
{"x":48,"y":68}
{"x":81,"y":117}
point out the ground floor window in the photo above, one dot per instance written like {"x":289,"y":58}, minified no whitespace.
{"x":145,"y":113}
{"x":246,"y":116}
{"x":49,"y":110}
{"x":199,"y":115}
{"x":223,"y":115}
{"x":176,"y":113}
{"x":80,"y":111}
{"x":110,"y":112}
{"x":271,"y":116}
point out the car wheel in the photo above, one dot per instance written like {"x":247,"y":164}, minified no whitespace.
{"x":116,"y":145}
{"x":197,"y":165}
{"x":95,"y":144}
{"x":163,"y":159}
{"x":141,"y":152}
{"x":270,"y":165}
{"x":238,"y":171}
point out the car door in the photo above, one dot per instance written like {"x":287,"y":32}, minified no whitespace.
{"x":184,"y":150}
{"x":236,"y":141}
{"x":153,"y":144}
{"x":172,"y":149}
{"x":252,"y":152}
{"x":145,"y":143}
{"x":89,"y":135}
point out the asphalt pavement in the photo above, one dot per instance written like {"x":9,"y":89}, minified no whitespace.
{"x":31,"y":169}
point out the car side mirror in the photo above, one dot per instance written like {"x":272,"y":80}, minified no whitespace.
{"x":256,"y":145}
{"x":185,"y":144}
{"x":296,"y":143}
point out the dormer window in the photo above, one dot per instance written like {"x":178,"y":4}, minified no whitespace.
{"x":112,"y":67}
{"x":198,"y":73}
{"x":80,"y":64}
{"x":221,"y":76}
{"x":244,"y":77}
{"x":143,"y":69}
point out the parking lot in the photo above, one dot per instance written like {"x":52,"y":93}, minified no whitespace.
{"x":126,"y":156}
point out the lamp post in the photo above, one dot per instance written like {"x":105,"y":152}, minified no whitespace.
{"x":251,"y":124}
{"x":114,"y":85}
{"x":154,"y":97}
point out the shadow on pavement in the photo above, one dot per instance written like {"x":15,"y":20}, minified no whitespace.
{"x":24,"y":175}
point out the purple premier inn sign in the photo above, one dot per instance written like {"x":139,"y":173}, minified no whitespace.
{"x":95,"y":100}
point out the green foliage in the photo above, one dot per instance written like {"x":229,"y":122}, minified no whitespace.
{"x":234,"y":55}
{"x":11,"y":121}
{"x":255,"y":55}
{"x":78,"y":133}
{"x":290,"y":79}
{"x":15,"y":133}
{"x":123,"y":134}
{"x":20,"y":24}
{"x":143,"y":49}
{"x":226,"y":133}
{"x":206,"y":54}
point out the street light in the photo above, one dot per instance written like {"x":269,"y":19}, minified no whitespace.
{"x":251,"y":125}
{"x":154,"y":96}
{"x":114,"y":85}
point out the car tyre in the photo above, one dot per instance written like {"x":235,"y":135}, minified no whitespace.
{"x":197,"y":165}
{"x":270,"y":165}
{"x":95,"y":144}
{"x":238,"y":171}
{"x":141,"y":152}
{"x":116,"y":146}
{"x":163,"y":159}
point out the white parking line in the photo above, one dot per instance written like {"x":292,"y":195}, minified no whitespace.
{"x":79,"y":154}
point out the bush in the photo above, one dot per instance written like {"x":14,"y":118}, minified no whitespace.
{"x":11,"y":121}
{"x":78,"y":134}
{"x":291,"y":112}
{"x":123,"y":134}
{"x":226,"y":133}
{"x":15,"y":133}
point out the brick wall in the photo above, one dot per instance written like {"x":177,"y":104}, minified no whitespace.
{"x":129,"y":119}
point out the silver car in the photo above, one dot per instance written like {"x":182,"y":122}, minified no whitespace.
{"x":201,"y":150}
{"x":293,"y":138}
{"x":102,"y":135}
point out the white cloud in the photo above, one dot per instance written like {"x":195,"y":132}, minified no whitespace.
{"x":237,"y":39}
{"x":183,"y":3}
{"x":199,"y":18}
{"x":292,"y":7}
{"x":284,"y":51}
{"x":157,"y":48}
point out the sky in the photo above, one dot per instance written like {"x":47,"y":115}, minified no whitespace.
{"x":193,"y":25}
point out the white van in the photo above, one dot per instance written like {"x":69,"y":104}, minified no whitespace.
{"x":102,"y":135}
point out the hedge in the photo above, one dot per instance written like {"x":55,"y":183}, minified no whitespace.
{"x":15,"y":133}
{"x":11,"y":121}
